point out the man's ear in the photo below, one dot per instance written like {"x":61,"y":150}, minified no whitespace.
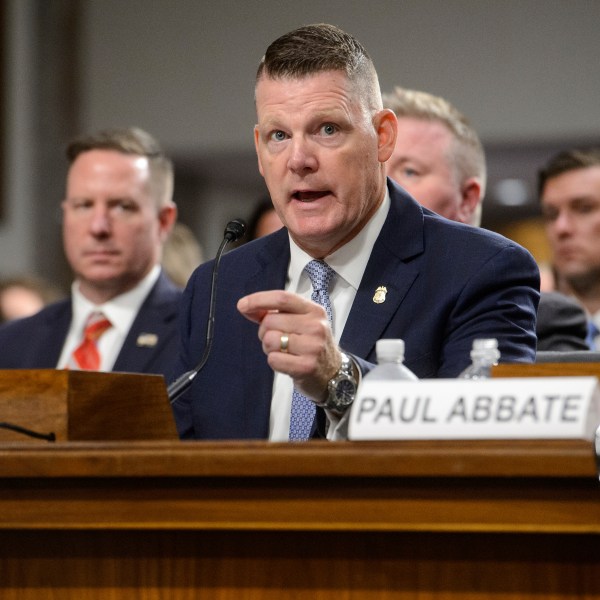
{"x":470,"y":205}
{"x":256,"y":135}
{"x":386,"y":126}
{"x":167,"y":215}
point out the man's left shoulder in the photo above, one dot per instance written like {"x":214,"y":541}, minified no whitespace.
{"x":469,"y":236}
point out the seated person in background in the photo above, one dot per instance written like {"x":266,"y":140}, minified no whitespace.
{"x":264,"y":220}
{"x":24,"y":296}
{"x":569,"y":192}
{"x":439,"y":159}
{"x":182,"y":253}
{"x":359,"y":260}
{"x":122,"y":313}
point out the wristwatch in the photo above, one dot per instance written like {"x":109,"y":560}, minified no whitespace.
{"x":342,"y":387}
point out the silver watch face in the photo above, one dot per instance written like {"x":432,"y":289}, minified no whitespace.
{"x":345,"y":391}
{"x":342,"y":388}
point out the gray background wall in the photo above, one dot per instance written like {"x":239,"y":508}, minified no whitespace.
{"x":525,"y":72}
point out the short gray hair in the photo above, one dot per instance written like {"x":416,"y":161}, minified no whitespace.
{"x":468,"y":155}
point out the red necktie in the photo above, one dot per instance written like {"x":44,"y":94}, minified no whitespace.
{"x":86,"y":355}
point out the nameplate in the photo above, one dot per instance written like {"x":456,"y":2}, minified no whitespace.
{"x":497,"y":408}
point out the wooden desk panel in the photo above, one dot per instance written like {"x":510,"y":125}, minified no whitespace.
{"x":443,"y":520}
{"x":234,"y":565}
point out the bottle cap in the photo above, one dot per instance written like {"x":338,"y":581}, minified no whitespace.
{"x":390,"y":350}
{"x":485,"y":344}
{"x":486,"y":347}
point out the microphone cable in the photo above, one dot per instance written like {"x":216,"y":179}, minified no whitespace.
{"x":233,"y":231}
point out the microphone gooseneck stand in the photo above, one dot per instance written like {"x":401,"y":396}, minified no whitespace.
{"x":234,"y":231}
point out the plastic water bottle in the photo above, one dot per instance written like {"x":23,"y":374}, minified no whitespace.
{"x":390,"y":362}
{"x":484,"y":354}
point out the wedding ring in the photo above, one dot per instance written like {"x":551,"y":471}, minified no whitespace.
{"x":283,"y":342}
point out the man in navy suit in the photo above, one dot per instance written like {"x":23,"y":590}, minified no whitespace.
{"x":399,"y":270}
{"x":117,"y":214}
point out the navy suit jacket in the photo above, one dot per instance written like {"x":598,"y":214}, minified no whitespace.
{"x":36,"y":342}
{"x":447,"y":284}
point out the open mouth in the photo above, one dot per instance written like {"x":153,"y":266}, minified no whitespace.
{"x":309,"y":196}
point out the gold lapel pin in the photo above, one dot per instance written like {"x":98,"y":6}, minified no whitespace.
{"x":380,"y":293}
{"x":148,"y":340}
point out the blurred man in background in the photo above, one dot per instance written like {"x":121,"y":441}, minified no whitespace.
{"x":440,"y":160}
{"x":438,"y":156}
{"x":569,"y":192}
{"x":122,"y":313}
{"x":24,"y":295}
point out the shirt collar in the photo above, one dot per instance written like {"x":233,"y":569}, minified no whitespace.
{"x":120,"y":310}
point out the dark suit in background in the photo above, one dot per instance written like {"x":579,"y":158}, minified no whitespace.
{"x":561,"y":324}
{"x":36,"y":342}
{"x":447,"y":284}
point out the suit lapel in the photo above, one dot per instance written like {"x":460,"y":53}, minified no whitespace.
{"x":51,"y":336}
{"x":270,"y":274}
{"x":391,"y":267}
{"x":152,"y":329}
{"x":272,"y":262}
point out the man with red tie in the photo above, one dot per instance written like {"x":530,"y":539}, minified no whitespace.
{"x":122,"y":313}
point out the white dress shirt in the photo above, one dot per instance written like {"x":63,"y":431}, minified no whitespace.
{"x":121,"y":311}
{"x":349,"y":262}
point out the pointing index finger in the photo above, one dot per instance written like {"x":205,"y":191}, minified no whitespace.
{"x":255,"y":306}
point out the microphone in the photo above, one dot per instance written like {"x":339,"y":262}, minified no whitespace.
{"x":233,"y":231}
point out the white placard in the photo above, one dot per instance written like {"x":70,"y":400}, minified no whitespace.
{"x":459,"y":409}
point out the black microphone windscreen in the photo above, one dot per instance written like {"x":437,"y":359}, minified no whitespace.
{"x":235,"y":230}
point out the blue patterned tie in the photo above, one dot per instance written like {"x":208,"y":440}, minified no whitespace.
{"x":591,"y":335}
{"x":303,"y":409}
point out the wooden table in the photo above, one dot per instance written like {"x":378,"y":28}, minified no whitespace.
{"x":249,"y":520}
